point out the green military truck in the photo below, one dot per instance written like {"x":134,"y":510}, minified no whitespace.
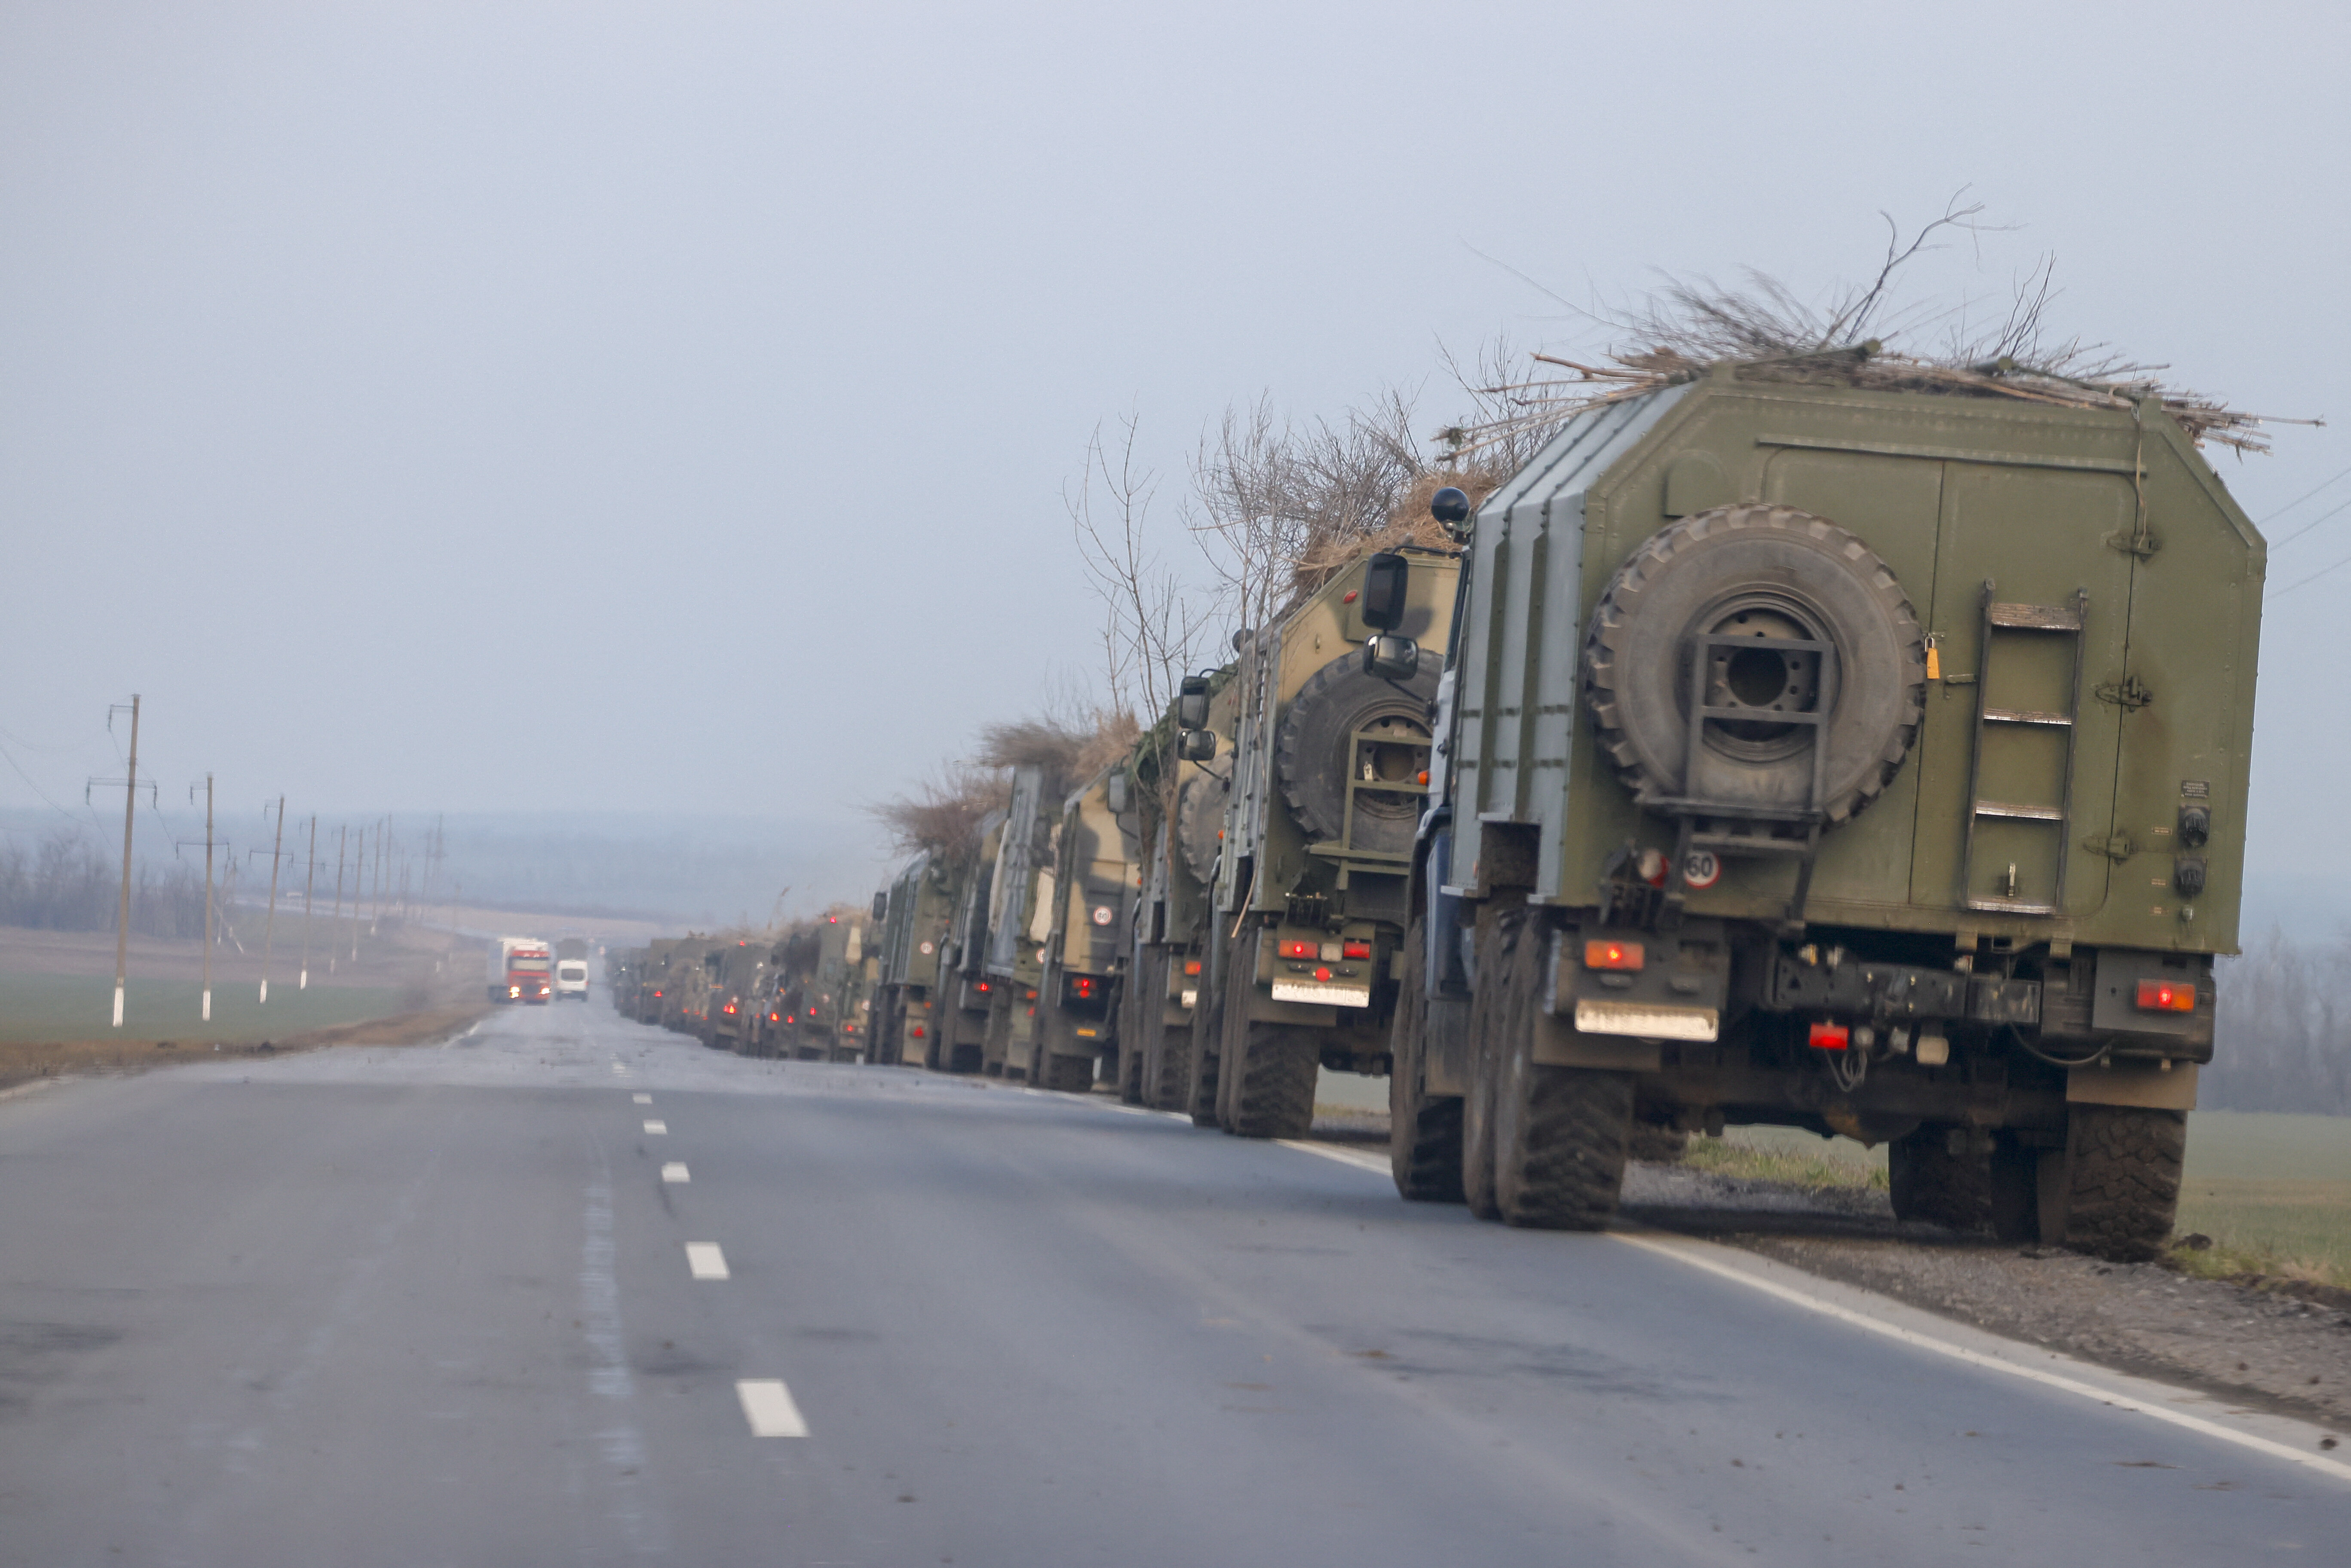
{"x":653,"y":980}
{"x":1866,"y":761}
{"x":1328,"y":772}
{"x":1178,"y":811}
{"x":1086,"y":898}
{"x":738,"y":1001}
{"x":1019,"y":925}
{"x":966,"y":993}
{"x":912,"y":916}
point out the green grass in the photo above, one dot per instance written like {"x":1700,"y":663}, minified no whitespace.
{"x":1789,"y":1154}
{"x":2273,"y":1192}
{"x":54,"y":1008}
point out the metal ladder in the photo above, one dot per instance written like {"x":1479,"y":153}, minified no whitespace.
{"x":2002,"y":622}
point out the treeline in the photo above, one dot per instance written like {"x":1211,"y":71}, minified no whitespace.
{"x":2284,"y":1013}
{"x":67,"y":882}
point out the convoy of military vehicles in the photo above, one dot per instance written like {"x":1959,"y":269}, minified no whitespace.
{"x":1766,"y":751}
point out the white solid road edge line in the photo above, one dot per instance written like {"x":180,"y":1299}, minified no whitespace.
{"x":2120,"y":1391}
{"x":768,"y":1406}
{"x":703,"y":1261}
{"x":2143,"y":1396}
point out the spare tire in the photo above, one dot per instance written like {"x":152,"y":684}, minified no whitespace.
{"x":1315,"y":752}
{"x":1200,"y":819}
{"x":1771,"y":572}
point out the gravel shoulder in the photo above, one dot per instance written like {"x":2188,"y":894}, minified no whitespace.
{"x":2261,"y":1348}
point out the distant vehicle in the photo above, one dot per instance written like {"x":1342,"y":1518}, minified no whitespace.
{"x":572,"y":969}
{"x":522,"y":969}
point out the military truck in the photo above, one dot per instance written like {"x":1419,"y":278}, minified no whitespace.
{"x":1328,"y":772}
{"x":1086,"y":899}
{"x":912,"y":916}
{"x":738,"y":994}
{"x":966,"y":993}
{"x":1019,"y":922}
{"x":1178,"y":808}
{"x":1866,"y":761}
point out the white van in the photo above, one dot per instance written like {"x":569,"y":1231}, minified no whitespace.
{"x":571,"y":978}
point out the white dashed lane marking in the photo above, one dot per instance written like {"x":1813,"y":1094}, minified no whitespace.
{"x":656,"y":1128}
{"x":643,"y":1099}
{"x":676,"y":1171}
{"x":703,"y":1261}
{"x":768,"y":1406}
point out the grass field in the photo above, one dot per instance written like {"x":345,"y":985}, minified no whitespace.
{"x":2273,"y":1192}
{"x":42,"y":1008}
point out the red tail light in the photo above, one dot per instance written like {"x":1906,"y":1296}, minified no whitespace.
{"x":1601,"y":953}
{"x":730,"y":1007}
{"x":773,"y":1019}
{"x":1298,"y":949}
{"x":2166,"y":996}
{"x":918,"y":1031}
{"x":1830,"y":1037}
{"x":1322,"y":974}
{"x":982,"y":986}
{"x":1191,"y":966}
{"x":1355,"y":950}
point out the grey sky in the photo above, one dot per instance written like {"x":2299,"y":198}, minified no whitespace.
{"x":667,"y":407}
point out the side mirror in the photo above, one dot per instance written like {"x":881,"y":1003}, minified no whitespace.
{"x":881,"y":905}
{"x":1192,"y":703}
{"x":1118,"y":794}
{"x":1450,"y":508}
{"x":1382,"y":596}
{"x":1196,"y":745}
{"x":1391,"y":658}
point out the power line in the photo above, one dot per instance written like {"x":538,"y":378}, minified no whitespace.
{"x":2314,"y":576}
{"x":2305,"y":528}
{"x":2298,"y":500}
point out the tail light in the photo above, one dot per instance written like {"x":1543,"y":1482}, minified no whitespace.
{"x":657,"y":996}
{"x":773,"y":1019}
{"x":1298,"y":949}
{"x":982,"y":986}
{"x":1191,"y":966}
{"x":1354,"y":950}
{"x":730,"y":1007}
{"x":1828,"y":1035}
{"x":1605,"y":953}
{"x":2166,"y":996}
{"x":918,"y":1031}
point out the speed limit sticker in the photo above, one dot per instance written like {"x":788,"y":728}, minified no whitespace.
{"x":1701,"y":868}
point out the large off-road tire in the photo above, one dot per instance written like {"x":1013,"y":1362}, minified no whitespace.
{"x":1656,"y":1145}
{"x":1070,"y":1074}
{"x":1203,"y":1073}
{"x":1559,"y":1133}
{"x":1924,"y":1180}
{"x":1771,"y":572}
{"x":1266,"y":1087}
{"x":1130,"y":1075}
{"x":1171,"y":1075}
{"x":2122,"y":1167}
{"x":997,"y":1045}
{"x":1200,"y":819}
{"x":1315,"y":752}
{"x":1424,"y":1130}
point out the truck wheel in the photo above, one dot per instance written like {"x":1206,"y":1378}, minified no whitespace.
{"x":1768,"y":572}
{"x":1274,"y":1071}
{"x":2122,"y":1169}
{"x":1559,"y":1133}
{"x":1315,"y":753}
{"x":1924,"y":1180}
{"x":1656,"y":1145}
{"x":1174,"y":1079}
{"x":1424,"y":1130}
{"x":1204,"y":1075}
{"x":1130,"y":1075}
{"x":1200,"y":822}
{"x":1497,"y":939}
{"x":1070,"y":1074}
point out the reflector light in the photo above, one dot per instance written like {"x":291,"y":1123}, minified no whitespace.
{"x":1322,"y":974}
{"x":1355,"y":950}
{"x":1191,"y":966}
{"x":1602,"y":953}
{"x":657,"y":994}
{"x":1830,"y":1037}
{"x":983,"y":985}
{"x":1298,"y":949}
{"x":2166,"y":996}
{"x":918,"y":1031}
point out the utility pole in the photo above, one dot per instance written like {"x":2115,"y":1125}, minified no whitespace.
{"x":335,"y":921}
{"x":208,"y":892}
{"x":359,"y":889}
{"x":309,"y":877}
{"x":269,"y":925}
{"x":130,"y":783}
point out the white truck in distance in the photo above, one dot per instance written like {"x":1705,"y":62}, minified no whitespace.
{"x":522,"y":969}
{"x":570,"y":969}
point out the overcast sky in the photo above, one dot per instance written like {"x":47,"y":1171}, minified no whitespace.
{"x":667,"y":407}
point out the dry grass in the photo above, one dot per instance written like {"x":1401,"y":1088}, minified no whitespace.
{"x":1784,"y":1154}
{"x":22,"y":1061}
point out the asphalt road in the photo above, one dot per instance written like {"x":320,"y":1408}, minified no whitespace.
{"x":439,"y":1306}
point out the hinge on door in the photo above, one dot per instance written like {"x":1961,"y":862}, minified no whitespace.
{"x":2130,"y":692}
{"x":2116,"y":847}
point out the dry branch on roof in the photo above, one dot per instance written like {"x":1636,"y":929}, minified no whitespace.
{"x":942,"y":813}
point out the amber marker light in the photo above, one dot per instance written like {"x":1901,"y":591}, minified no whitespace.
{"x":1600,"y":953}
{"x":2166,"y":996}
{"x":1298,"y":949}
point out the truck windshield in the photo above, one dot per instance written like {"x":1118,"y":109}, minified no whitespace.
{"x":521,"y":961}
